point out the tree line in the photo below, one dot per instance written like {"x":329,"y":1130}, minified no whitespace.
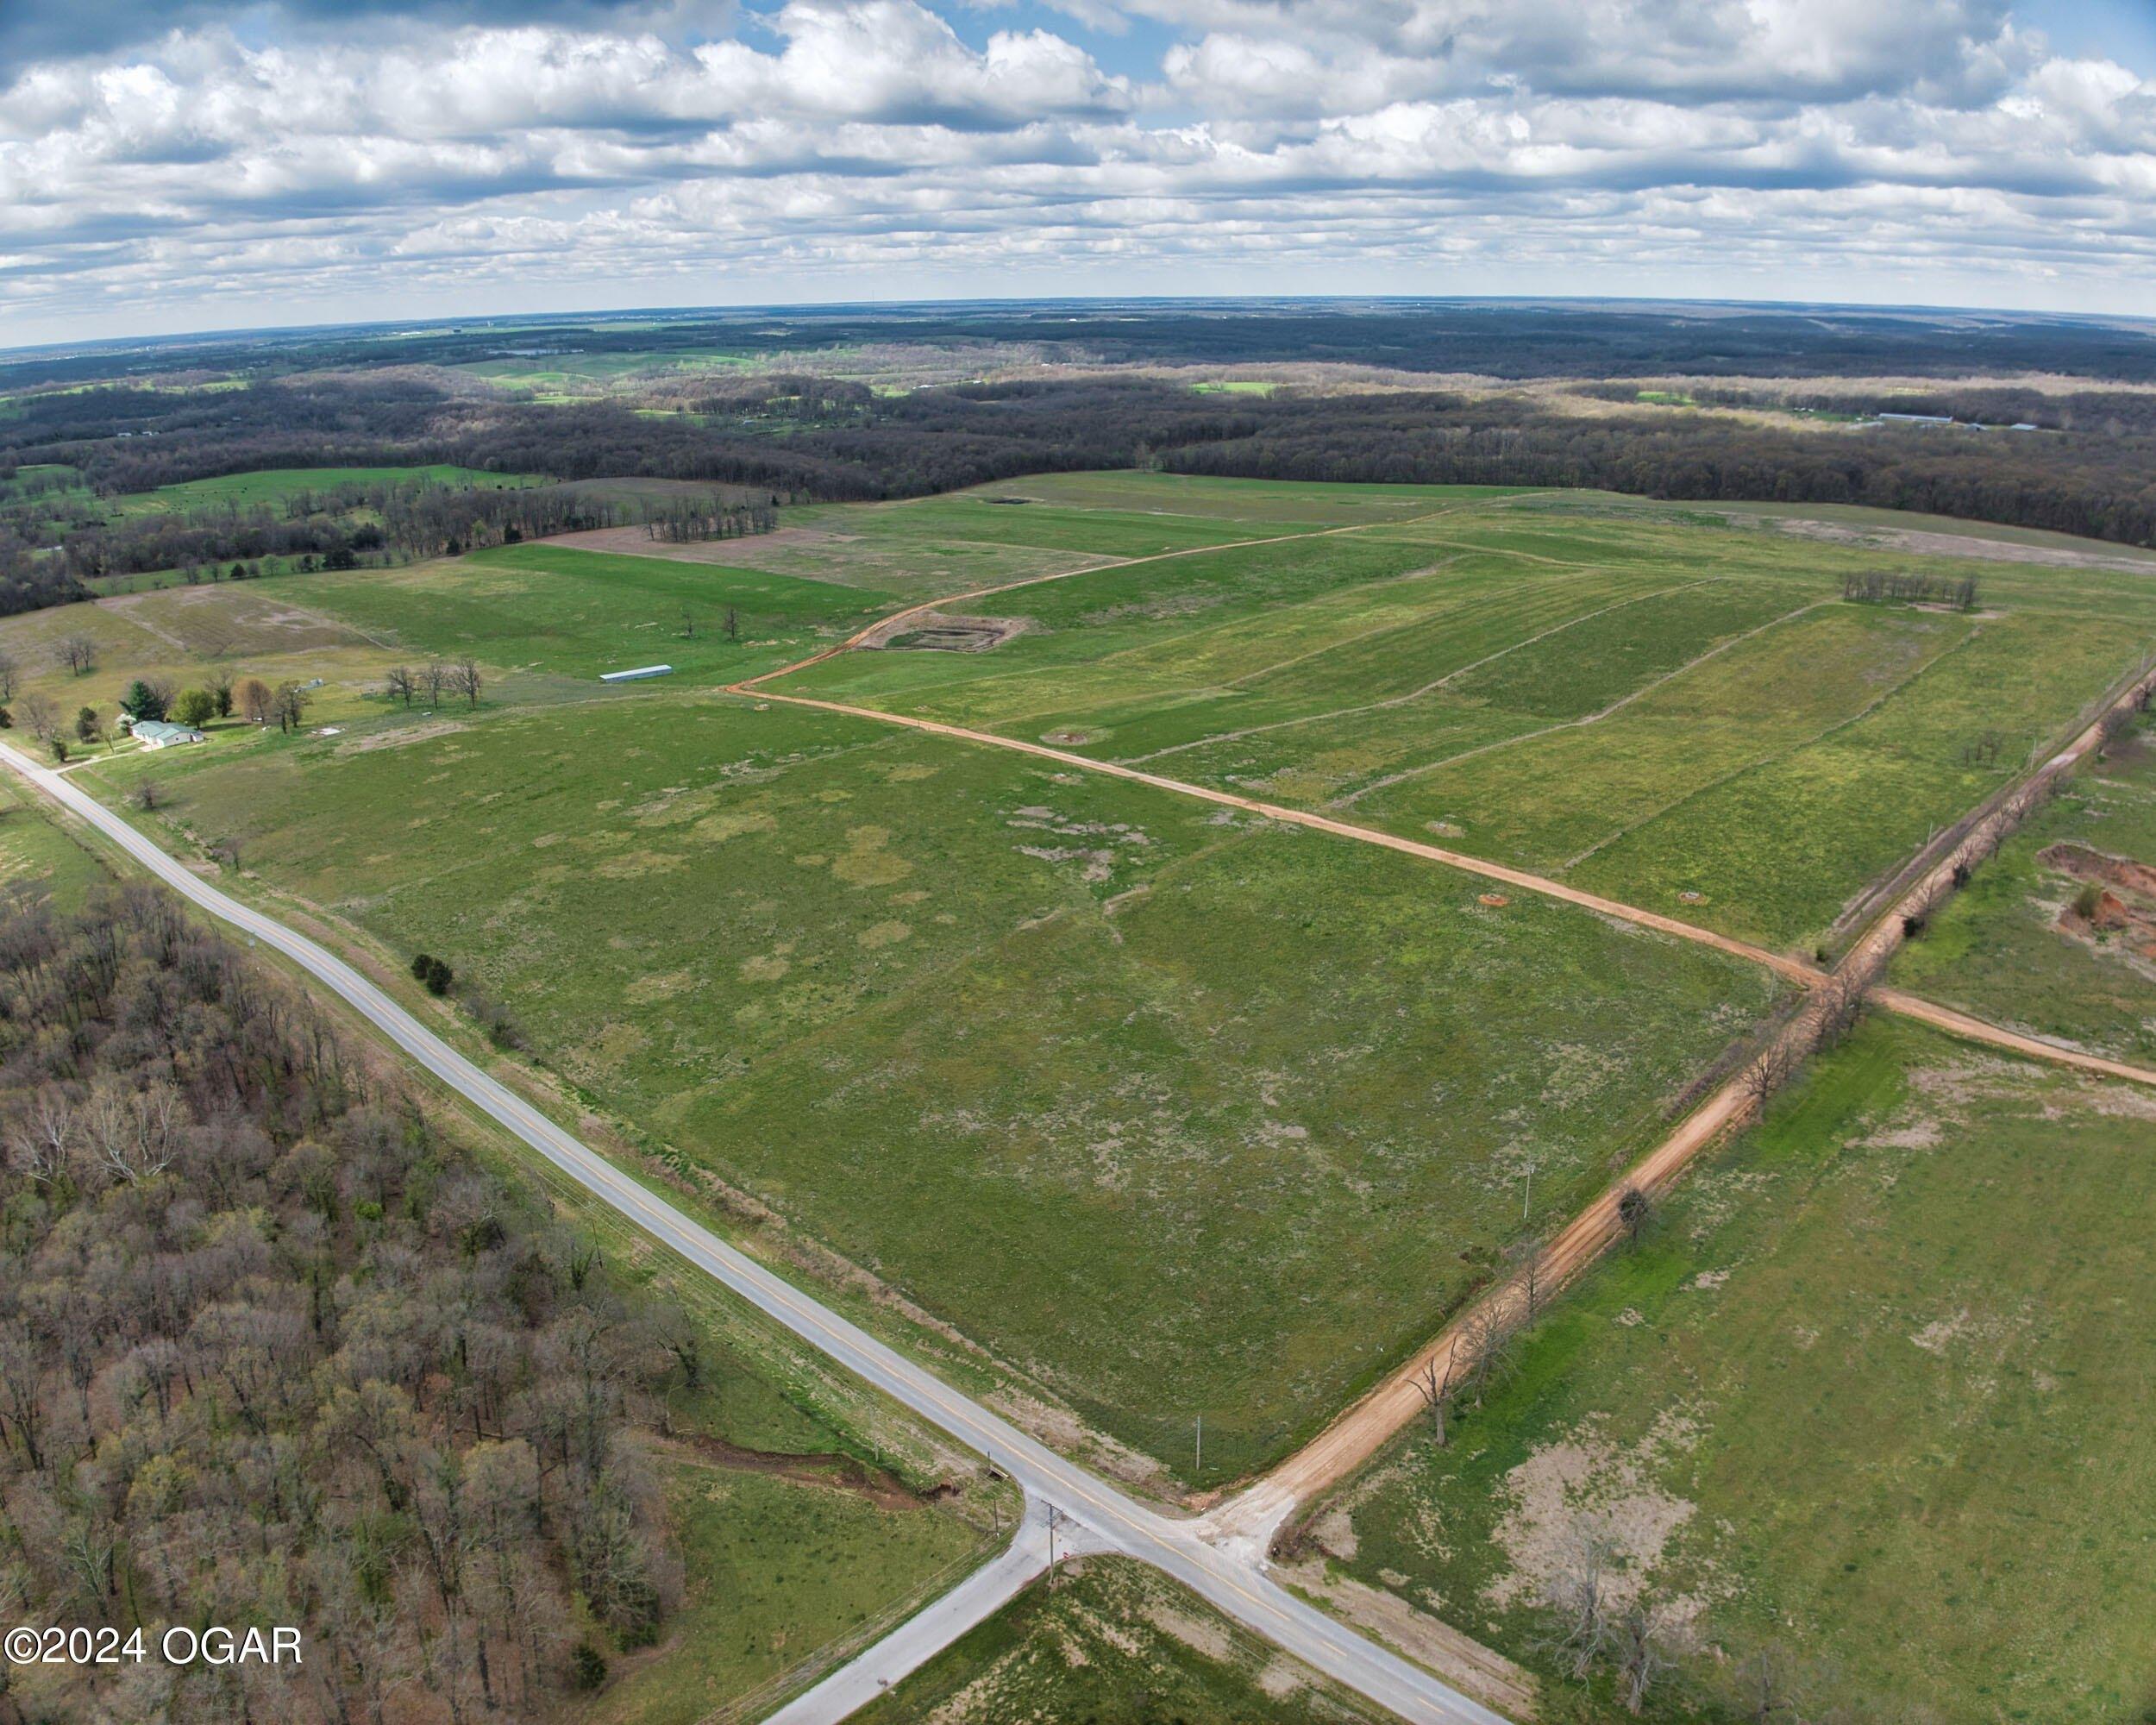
{"x":1909,"y":586}
{"x":780,"y":438}
{"x":273,"y":1349}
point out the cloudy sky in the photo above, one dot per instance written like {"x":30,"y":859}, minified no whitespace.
{"x":170,"y":165}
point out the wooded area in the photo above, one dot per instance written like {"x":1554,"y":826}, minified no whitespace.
{"x":274,"y":1351}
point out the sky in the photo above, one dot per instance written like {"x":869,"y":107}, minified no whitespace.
{"x":176,"y":164}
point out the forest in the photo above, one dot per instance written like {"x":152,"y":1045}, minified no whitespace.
{"x":1773,"y":406}
{"x":799,"y":439}
{"x":274,"y":1349}
{"x":1497,"y":338}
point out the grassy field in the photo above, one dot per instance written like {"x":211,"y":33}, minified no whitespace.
{"x":1655,"y":704}
{"x":39,"y":860}
{"x":1178,"y":1113}
{"x":183,"y":635}
{"x":1111,"y":1642}
{"x":2013,"y":949}
{"x":772,"y":1571}
{"x":1869,"y":1402}
{"x":271,"y":487}
{"x":572,"y":614}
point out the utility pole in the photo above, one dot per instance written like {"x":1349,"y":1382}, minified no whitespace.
{"x":1199,"y":1466}
{"x":1054,"y":1516}
{"x":1526,"y":1202}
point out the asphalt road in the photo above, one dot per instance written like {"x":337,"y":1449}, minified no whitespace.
{"x":1227,"y":1579}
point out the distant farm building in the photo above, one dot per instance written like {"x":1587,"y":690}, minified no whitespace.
{"x":636,"y":675}
{"x":160,"y":733}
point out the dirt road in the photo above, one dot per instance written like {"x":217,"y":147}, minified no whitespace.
{"x":2014,"y":1041}
{"x":1795,"y":969}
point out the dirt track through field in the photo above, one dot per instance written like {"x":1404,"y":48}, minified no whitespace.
{"x":1795,"y":969}
{"x":1364,"y":1428}
{"x":2014,"y":1041}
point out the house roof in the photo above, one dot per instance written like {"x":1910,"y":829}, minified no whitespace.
{"x":163,"y":731}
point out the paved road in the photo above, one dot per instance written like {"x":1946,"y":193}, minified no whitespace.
{"x":1226,"y":1578}
{"x":928,"y":1631}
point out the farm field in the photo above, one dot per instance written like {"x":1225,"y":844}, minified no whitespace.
{"x":572,"y":614}
{"x":543,"y":621}
{"x":273,"y":486}
{"x":268,"y":628}
{"x":1627,"y":699}
{"x":1177,"y":1113}
{"x":2056,"y":935}
{"x":40,"y":860}
{"x":1113,"y":1641}
{"x":1866,"y":1402}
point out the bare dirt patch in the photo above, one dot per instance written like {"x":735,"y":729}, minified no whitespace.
{"x":1588,"y":1490}
{"x":937,"y":631}
{"x":633,"y":542}
{"x":425,"y":731}
{"x":1955,"y":545}
{"x":2116,"y":907}
{"x":833,"y":1469}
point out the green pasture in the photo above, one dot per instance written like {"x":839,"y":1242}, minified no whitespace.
{"x":1178,"y":1112}
{"x":554,"y":612}
{"x":2009,"y":948}
{"x":274,"y":487}
{"x":775,"y":1571}
{"x":1672,"y":711}
{"x":37,"y":858}
{"x":1868,"y":1403}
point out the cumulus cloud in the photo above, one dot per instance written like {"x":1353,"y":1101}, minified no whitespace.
{"x":655,"y":150}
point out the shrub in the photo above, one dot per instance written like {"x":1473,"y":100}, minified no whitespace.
{"x":587,"y":1666}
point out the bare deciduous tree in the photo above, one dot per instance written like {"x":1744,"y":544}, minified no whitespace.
{"x":464,"y":680}
{"x":40,"y":717}
{"x":1578,"y":1596}
{"x":400,"y":685}
{"x":78,"y":652}
{"x":1767,"y":1072}
{"x":135,"y":1133}
{"x":1642,"y":1653}
{"x":39,"y":1142}
{"x":1435,"y":1388}
{"x":6,"y":676}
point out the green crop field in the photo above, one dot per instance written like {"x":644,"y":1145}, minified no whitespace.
{"x":1180,"y":1114}
{"x":1659,"y":705}
{"x":2017,"y":949}
{"x":273,"y":487}
{"x":1112,"y":1642}
{"x":1869,"y":1403}
{"x":572,"y":614}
